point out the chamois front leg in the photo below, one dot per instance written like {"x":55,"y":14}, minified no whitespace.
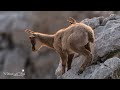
{"x":62,"y":64}
{"x":64,"y":59}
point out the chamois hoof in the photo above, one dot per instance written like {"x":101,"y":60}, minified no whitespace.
{"x":68,"y":68}
{"x":80,"y":72}
{"x":59,"y":71}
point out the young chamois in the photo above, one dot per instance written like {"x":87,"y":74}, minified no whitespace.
{"x":76,"y":38}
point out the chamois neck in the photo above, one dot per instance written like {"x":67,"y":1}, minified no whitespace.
{"x":46,"y":39}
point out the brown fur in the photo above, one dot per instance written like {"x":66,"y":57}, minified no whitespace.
{"x":74,"y":39}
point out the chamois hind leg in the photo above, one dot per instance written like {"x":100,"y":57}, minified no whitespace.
{"x":87,"y":46}
{"x":87,"y":61}
{"x":70,"y":57}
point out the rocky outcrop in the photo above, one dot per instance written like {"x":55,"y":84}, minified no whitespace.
{"x":15,"y":48}
{"x":107,"y":51}
{"x":110,"y":69}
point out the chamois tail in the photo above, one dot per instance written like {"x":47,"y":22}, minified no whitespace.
{"x":91,"y":37}
{"x":71,"y":20}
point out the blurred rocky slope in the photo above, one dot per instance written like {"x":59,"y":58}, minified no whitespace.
{"x":15,"y":48}
{"x":106,"y":63}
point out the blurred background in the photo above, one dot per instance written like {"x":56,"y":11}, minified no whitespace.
{"x":15,"y":47}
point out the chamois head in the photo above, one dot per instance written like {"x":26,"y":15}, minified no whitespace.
{"x":36,"y":44}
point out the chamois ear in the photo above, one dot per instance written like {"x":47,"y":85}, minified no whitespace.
{"x":71,"y":20}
